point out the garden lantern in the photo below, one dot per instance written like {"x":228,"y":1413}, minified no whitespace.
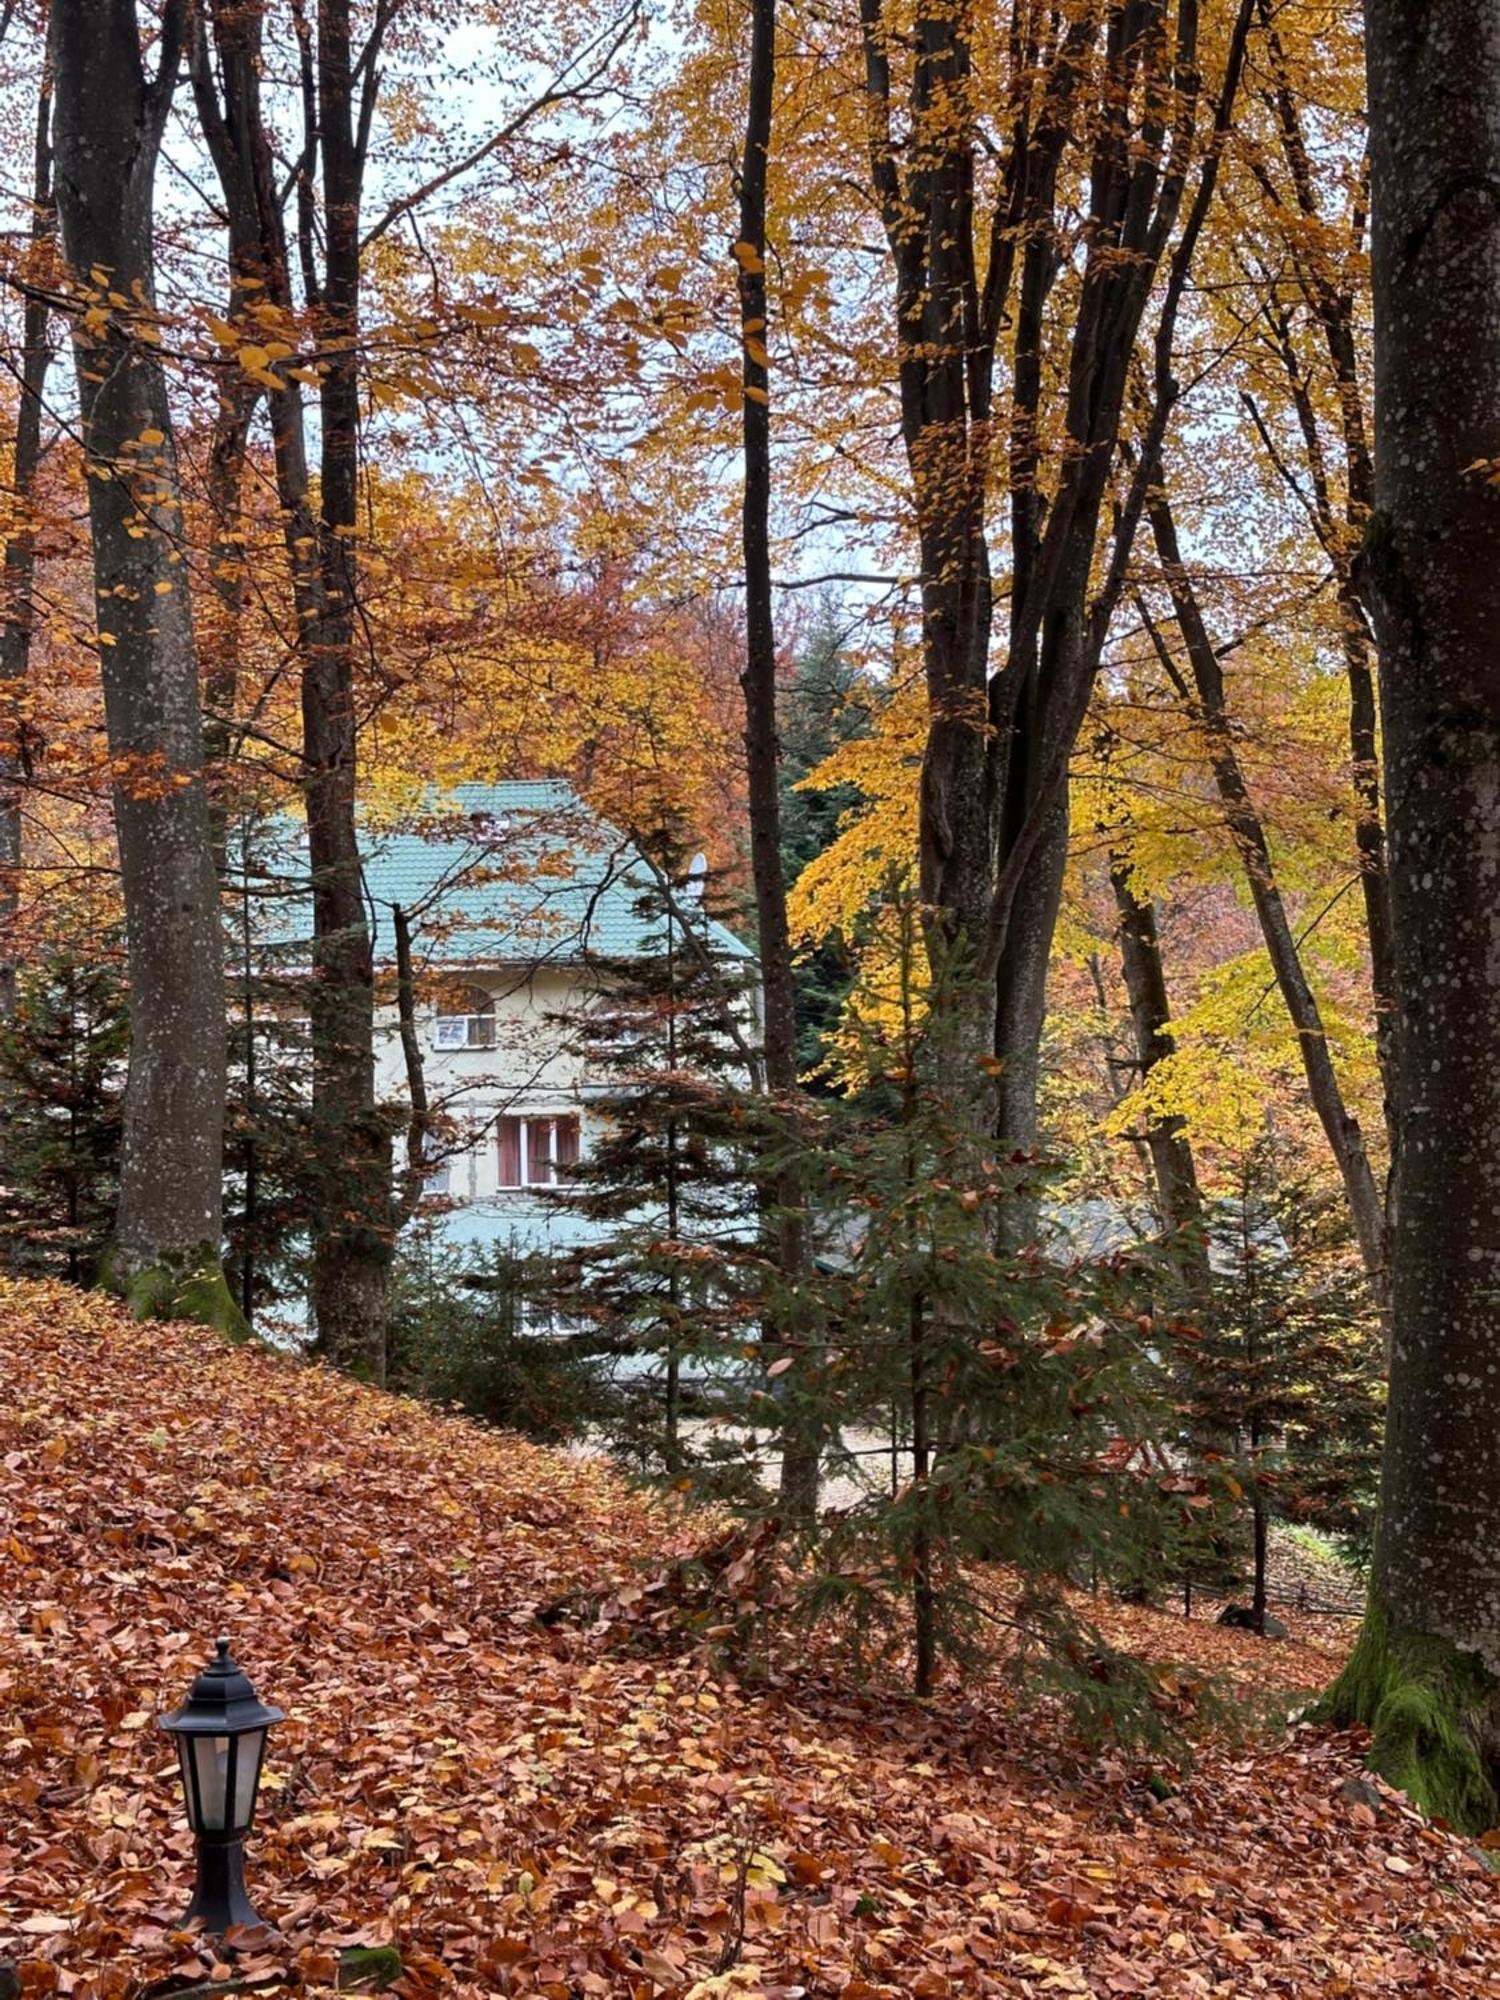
{"x":221,"y":1737}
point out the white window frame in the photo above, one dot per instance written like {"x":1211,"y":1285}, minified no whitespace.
{"x":472,"y":1030}
{"x":525,"y":1121}
{"x":437,"y":1182}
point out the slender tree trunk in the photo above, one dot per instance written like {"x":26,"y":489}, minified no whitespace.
{"x":799,"y":1452}
{"x":355,"y":1241}
{"x":1426,"y":1671}
{"x":1179,"y":1198}
{"x":924,"y":1593}
{"x":1330,"y":297}
{"x":242,"y":160}
{"x":1259,"y":1531}
{"x":18,"y":579}
{"x":221,"y":640}
{"x":1341,"y":1128}
{"x":109,"y":121}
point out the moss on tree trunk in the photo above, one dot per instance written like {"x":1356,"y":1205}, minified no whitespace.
{"x":191,"y":1288}
{"x":1431,"y":1713}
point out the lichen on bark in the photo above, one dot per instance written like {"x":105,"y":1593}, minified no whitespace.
{"x":1430,"y":1710}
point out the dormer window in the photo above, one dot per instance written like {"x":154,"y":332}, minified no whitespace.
{"x":465,"y":1019}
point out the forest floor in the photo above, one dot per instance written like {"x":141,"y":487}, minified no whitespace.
{"x":525,"y":1810}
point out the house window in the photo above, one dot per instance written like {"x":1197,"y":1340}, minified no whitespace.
{"x":465,"y":1019}
{"x":439,"y":1177}
{"x":534,"y":1151}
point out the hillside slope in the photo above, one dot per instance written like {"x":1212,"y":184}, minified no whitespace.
{"x":525,"y":1813}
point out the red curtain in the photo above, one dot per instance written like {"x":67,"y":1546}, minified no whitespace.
{"x":510,"y":1152}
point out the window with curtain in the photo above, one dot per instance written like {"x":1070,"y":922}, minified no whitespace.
{"x":465,"y":1019}
{"x":536,"y":1150}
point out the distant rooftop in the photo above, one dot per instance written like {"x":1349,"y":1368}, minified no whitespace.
{"x":520,"y":873}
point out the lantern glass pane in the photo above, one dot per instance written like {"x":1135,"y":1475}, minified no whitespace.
{"x":189,"y":1788}
{"x":247,"y":1777}
{"x":211,"y":1756}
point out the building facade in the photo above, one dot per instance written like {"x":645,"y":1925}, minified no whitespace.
{"x":519,"y":902}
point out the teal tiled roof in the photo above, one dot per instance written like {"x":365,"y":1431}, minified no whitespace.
{"x":506,"y":874}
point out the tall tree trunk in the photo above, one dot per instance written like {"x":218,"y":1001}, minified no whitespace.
{"x":355,"y":1242}
{"x":1340,"y":1126}
{"x":799,"y":1451}
{"x":1329,"y":292}
{"x":109,"y":121}
{"x":19,"y":575}
{"x":233,"y":133}
{"x":1426,"y":1671}
{"x":1119,"y":88}
{"x":356,"y":1209}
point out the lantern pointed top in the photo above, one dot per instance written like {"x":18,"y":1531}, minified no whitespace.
{"x":221,"y":1701}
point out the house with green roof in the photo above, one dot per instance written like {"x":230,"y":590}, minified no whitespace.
{"x":518,"y":898}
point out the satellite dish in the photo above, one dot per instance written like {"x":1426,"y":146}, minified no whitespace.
{"x":697,"y":875}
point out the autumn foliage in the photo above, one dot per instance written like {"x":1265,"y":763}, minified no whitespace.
{"x":531,"y":1810}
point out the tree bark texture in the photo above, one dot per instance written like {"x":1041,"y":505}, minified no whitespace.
{"x":355,"y":1243}
{"x":1433,"y":582}
{"x":108,"y":123}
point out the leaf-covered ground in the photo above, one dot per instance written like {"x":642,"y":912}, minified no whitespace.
{"x":524,"y":1812}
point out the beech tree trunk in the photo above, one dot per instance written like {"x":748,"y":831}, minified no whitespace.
{"x":799,"y":1453}
{"x":1432,"y":1631}
{"x":19,"y":575}
{"x":109,"y":121}
{"x":1119,"y":90}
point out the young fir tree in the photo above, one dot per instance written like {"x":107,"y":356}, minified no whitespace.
{"x":459,"y":1337}
{"x":1030,"y":1395}
{"x":269,"y":1164}
{"x":665,"y":1187}
{"x":62,"y":1084}
{"x":1288,"y":1366}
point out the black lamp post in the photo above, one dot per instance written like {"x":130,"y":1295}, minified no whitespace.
{"x":221,"y":1736}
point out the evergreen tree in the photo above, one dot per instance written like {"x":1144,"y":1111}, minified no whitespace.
{"x":62,"y":1083}
{"x":660,"y":1286}
{"x":459,"y":1336}
{"x":1025,"y":1399}
{"x":271,"y":1170}
{"x":1288,"y":1365}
